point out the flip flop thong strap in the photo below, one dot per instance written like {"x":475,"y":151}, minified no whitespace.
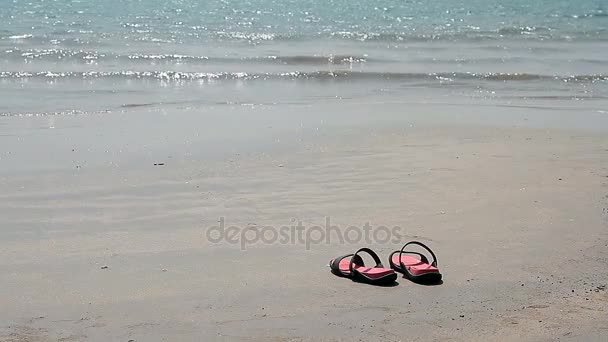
{"x":357,"y":257}
{"x":335,"y":264}
{"x":434,"y":263}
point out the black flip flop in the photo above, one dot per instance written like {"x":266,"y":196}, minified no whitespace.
{"x":417,"y":269}
{"x":352,"y":266}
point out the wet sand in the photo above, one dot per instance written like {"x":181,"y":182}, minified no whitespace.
{"x":100,"y":244}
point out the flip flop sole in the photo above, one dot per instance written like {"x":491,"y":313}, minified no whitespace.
{"x":352,"y":266}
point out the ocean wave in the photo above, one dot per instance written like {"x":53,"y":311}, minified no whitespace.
{"x":20,"y":36}
{"x":314,"y":60}
{"x":472,"y":35}
{"x":248,"y":36}
{"x":83,"y":56}
{"x":72,"y":112}
{"x":297,"y":75}
{"x":84,"y":38}
{"x":51,"y":55}
{"x":474,"y":60}
{"x":272,"y":59}
{"x":595,"y":14}
{"x":519,"y":30}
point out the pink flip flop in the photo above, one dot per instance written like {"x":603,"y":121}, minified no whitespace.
{"x":417,"y":269}
{"x":352,"y":266}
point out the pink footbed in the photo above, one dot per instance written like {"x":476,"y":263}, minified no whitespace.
{"x":414,"y":266}
{"x":370,"y":272}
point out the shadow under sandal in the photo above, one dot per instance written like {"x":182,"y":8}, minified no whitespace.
{"x":415,"y":268}
{"x":352,"y":266}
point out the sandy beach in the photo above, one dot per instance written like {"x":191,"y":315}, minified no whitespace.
{"x":185,"y":170}
{"x":99,"y":244}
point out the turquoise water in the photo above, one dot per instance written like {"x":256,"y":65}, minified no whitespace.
{"x":73,"y":53}
{"x":102,"y":23}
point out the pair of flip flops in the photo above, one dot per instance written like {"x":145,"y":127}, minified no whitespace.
{"x":414,"y":266}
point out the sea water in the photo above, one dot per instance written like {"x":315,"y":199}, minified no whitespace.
{"x":62,"y":57}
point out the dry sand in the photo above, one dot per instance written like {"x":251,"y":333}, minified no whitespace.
{"x":516,"y":215}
